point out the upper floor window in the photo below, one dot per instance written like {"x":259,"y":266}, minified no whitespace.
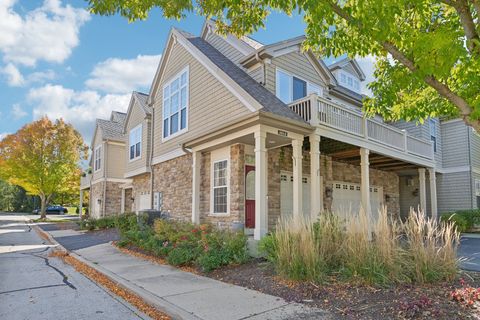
{"x":97,"y":157}
{"x":349,"y":81}
{"x":175,"y":105}
{"x":290,"y":88}
{"x":135,"y":142}
{"x":477,"y":187}
{"x":433,"y":134}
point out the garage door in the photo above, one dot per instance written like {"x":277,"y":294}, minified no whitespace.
{"x":347,"y":198}
{"x":286,"y":194}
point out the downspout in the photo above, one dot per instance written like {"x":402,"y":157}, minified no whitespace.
{"x":184,"y":149}
{"x":152,"y":124}
{"x":472,"y":204}
{"x":105,"y":144}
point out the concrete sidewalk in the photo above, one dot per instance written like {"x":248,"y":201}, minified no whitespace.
{"x":184,"y":295}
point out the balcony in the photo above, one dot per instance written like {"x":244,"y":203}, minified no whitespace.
{"x":340,"y":123}
{"x":85,"y":181}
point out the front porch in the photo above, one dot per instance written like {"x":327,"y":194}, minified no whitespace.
{"x":294,"y":173}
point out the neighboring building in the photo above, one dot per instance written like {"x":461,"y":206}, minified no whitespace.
{"x":137,"y":130}
{"x":107,"y":165}
{"x":234,"y":131}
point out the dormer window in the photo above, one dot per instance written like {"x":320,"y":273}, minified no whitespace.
{"x":349,"y":81}
{"x":290,"y":88}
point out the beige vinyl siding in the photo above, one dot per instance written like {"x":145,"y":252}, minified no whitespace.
{"x":229,"y":51}
{"x":211,"y":105}
{"x":295,"y":63}
{"x":136,"y":118}
{"x":256,"y":74}
{"x":115,"y":160}
{"x":98,"y":140}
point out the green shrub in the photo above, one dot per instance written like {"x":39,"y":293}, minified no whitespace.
{"x":183,"y":243}
{"x":267,"y":247}
{"x":460,"y":222}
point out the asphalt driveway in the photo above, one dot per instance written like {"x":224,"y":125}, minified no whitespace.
{"x":469,"y":252}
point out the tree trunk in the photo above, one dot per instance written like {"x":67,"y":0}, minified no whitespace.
{"x":43,"y":207}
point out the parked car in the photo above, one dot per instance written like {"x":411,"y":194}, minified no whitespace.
{"x":53,"y":210}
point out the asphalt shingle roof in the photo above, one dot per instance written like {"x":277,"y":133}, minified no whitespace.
{"x":268,"y":100}
{"x":142,"y":99}
{"x":113,"y":129}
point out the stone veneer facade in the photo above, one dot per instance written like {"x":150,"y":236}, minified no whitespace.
{"x":113,"y":198}
{"x":174,"y":179}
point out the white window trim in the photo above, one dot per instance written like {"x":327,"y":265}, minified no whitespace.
{"x":212,"y":175}
{"x":184,"y":130}
{"x":140,"y":126}
{"x":95,"y":152}
{"x":309,"y":83}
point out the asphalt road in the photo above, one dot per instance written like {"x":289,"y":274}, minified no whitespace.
{"x":36,"y":286}
{"x":469,"y":252}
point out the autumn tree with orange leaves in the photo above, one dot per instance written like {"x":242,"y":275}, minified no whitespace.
{"x":43,"y":158}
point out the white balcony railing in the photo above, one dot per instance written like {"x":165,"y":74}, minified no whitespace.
{"x":85,"y":181}
{"x":322,"y":112}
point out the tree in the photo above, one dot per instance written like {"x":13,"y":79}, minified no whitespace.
{"x":43,"y":158}
{"x":427,"y":50}
{"x":15,"y":199}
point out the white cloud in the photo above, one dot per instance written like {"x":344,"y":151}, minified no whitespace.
{"x":3,"y":135}
{"x":13,"y":75}
{"x":367,"y":64}
{"x":123,"y":75}
{"x":48,"y":33}
{"x":79,"y":108}
{"x":18,"y":112}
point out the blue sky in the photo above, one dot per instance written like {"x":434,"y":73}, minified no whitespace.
{"x":57,"y":59}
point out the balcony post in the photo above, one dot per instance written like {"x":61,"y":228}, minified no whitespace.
{"x":314,"y":109}
{"x":261,"y":167}
{"x":365,"y":187}
{"x":433,"y":192}
{"x":315,"y":187}
{"x":297,"y":178}
{"x":365,"y":126}
{"x":80,"y":207}
{"x":423,"y":189}
{"x":122,"y":204}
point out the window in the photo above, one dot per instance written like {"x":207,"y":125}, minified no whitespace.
{"x":477,"y":187}
{"x":433,"y":134}
{"x":220,"y":188}
{"x":135,"y":142}
{"x":175,"y":105}
{"x":290,"y":88}
{"x":349,"y":81}
{"x":97,"y":157}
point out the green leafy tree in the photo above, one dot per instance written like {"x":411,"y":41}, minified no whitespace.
{"x":43,"y":158}
{"x":427,"y":50}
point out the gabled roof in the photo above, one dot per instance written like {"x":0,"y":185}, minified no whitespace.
{"x":252,"y":94}
{"x":111,"y":130}
{"x":268,"y":100}
{"x":345,"y":61}
{"x":287,"y":46}
{"x":141,"y":100}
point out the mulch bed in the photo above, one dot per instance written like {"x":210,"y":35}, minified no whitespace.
{"x":347,"y":301}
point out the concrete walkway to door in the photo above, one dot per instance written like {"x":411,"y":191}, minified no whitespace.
{"x":180,"y":294}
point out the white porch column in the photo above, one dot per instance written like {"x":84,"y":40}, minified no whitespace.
{"x":433,"y":192}
{"x":365,"y":183}
{"x":297,"y":178}
{"x":261,"y":205}
{"x":122,"y":205}
{"x":423,"y":189}
{"x":316,"y":203}
{"x":196,"y":165}
{"x":80,"y":207}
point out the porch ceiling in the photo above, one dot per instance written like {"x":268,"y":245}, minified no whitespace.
{"x":377,"y":161}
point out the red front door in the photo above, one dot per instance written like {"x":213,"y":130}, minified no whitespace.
{"x":250,"y":197}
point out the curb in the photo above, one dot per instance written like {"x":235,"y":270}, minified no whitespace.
{"x":159,"y":303}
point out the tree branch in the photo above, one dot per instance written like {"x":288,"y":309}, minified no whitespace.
{"x":441,"y":88}
{"x":463,"y":9}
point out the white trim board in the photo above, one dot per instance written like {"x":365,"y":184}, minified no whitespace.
{"x":168,"y":156}
{"x":136,"y":172}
